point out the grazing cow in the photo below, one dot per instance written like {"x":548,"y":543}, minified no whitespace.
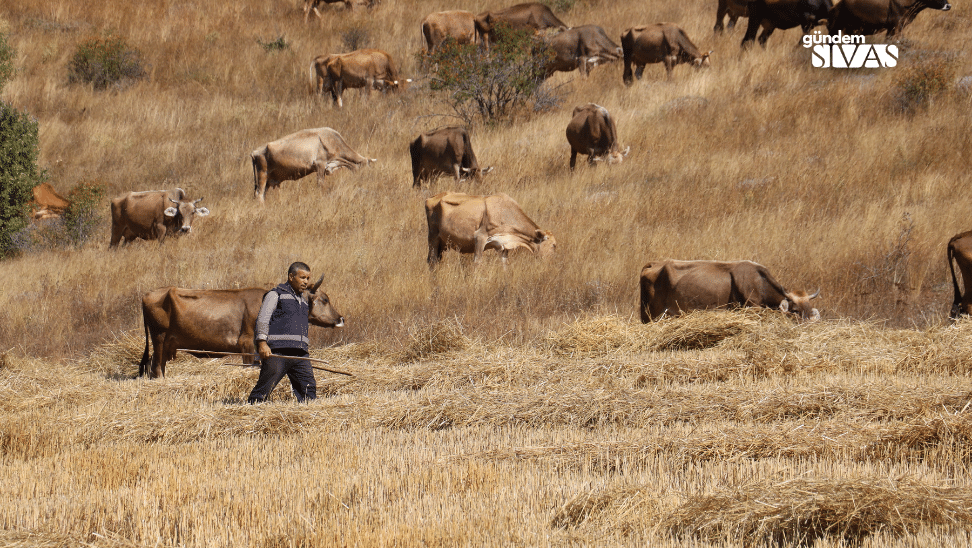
{"x":529,"y":16}
{"x":152,"y":214}
{"x":444,"y":151}
{"x":734,"y":9}
{"x":363,"y":68}
{"x":313,"y":5}
{"x":320,"y":151}
{"x":48,"y":203}
{"x":873,"y":16}
{"x":783,"y":14}
{"x":458,"y":25}
{"x":592,"y":131}
{"x":658,"y":43}
{"x":581,"y":48}
{"x":672,"y":287}
{"x":472,"y":224}
{"x":215,"y":320}
{"x":959,"y":251}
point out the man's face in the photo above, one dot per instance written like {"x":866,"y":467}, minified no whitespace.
{"x":299,"y":280}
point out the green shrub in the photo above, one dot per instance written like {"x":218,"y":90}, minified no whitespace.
{"x":274,"y":45}
{"x":926,"y":77}
{"x":105,"y":62}
{"x":490,"y":84}
{"x":84,"y":216}
{"x":19,"y":173}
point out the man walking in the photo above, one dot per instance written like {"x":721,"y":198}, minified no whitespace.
{"x":281,"y":330}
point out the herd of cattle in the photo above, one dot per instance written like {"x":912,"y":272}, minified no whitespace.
{"x":223,"y":320}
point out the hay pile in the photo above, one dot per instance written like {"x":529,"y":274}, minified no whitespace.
{"x":796,"y":512}
{"x":432,"y":340}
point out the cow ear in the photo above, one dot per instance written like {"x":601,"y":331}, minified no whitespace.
{"x":785,"y":305}
{"x":540,"y":236}
{"x":202,"y":211}
{"x":170,"y":212}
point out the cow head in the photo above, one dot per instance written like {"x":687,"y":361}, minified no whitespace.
{"x":183,"y":213}
{"x":937,"y":4}
{"x":545,"y":243}
{"x":798,"y":302}
{"x":614,"y":157}
{"x":703,"y":61}
{"x":476,"y":174}
{"x":322,"y":313}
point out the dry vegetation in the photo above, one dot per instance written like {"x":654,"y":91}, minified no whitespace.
{"x":492,"y":407}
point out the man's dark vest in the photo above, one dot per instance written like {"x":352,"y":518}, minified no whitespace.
{"x":288,"y":323}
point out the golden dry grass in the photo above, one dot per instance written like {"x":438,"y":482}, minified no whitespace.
{"x":497,"y":407}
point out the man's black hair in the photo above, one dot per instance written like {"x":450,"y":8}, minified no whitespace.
{"x":297,"y":266}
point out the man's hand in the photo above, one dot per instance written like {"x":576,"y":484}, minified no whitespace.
{"x":263,"y":349}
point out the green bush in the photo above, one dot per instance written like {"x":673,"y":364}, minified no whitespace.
{"x":926,"y":77}
{"x":19,"y":173}
{"x":105,"y":62}
{"x":279,"y":44}
{"x":490,"y":84}
{"x":84,"y":216}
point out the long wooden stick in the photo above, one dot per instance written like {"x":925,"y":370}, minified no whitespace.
{"x":338,"y":371}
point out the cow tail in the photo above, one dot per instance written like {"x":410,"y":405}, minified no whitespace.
{"x":143,"y":365}
{"x":958,"y":294}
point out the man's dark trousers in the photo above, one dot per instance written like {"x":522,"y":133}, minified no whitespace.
{"x":299,"y":371}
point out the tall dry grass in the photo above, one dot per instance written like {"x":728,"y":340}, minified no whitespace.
{"x":821,"y":175}
{"x":496,"y":407}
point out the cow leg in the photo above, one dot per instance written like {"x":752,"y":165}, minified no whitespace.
{"x":639,"y":71}
{"x":479,"y":237}
{"x":764,"y":36}
{"x":457,"y":172}
{"x":573,"y":157}
{"x":504,"y":254}
{"x":158,"y":351}
{"x":670,"y":61}
{"x":626,"y":76}
{"x":260,"y":171}
{"x":116,"y":234}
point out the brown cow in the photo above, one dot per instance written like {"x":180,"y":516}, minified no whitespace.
{"x":873,"y":16}
{"x":529,"y":16}
{"x":444,"y":151}
{"x":581,"y":48}
{"x":658,"y":43}
{"x":783,"y":14}
{"x":152,"y":214}
{"x":472,"y":224}
{"x":365,"y":69}
{"x":734,"y":9}
{"x":48,"y":203}
{"x":959,"y":251}
{"x":312,"y":5}
{"x":320,"y":151}
{"x":672,"y":287}
{"x":458,"y":25}
{"x":592,"y":131}
{"x":215,"y":320}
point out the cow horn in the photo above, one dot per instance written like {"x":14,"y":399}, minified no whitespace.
{"x":194,"y":202}
{"x":315,"y":287}
{"x":815,"y":295}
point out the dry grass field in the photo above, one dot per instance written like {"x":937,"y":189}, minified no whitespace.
{"x":498,"y":407}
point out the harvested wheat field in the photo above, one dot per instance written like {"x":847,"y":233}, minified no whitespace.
{"x":524,"y":406}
